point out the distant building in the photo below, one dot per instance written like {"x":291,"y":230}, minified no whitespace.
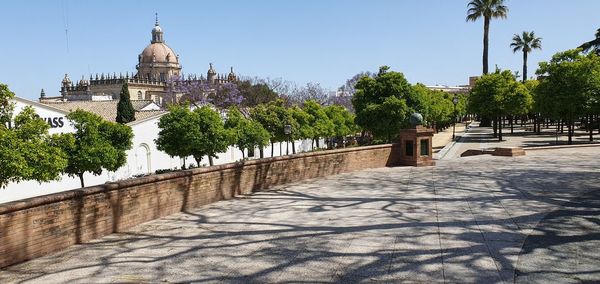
{"x":157,"y":66}
{"x":461,"y":89}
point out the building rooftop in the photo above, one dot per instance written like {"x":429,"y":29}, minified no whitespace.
{"x":108,"y":109}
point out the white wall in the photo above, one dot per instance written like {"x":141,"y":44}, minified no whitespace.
{"x":143,"y":158}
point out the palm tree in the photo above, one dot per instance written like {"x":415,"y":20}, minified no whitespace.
{"x":487,"y":9}
{"x":526,"y":42}
{"x":592,"y":45}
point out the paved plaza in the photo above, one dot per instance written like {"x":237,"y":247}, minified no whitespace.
{"x":478,"y":219}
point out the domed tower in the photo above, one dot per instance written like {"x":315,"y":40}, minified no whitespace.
{"x":158,"y":60}
{"x":211,"y":75}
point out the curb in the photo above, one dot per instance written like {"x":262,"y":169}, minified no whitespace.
{"x":560,"y":147}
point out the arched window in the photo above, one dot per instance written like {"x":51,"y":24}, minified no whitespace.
{"x":143,"y":159}
{"x":140,"y":95}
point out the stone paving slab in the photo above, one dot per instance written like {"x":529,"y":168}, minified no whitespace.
{"x":474,"y":220}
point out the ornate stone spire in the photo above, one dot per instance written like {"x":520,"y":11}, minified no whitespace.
{"x":231,"y":77}
{"x":157,"y":33}
{"x":211,"y":74}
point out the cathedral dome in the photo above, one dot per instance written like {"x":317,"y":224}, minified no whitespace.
{"x":158,"y":52}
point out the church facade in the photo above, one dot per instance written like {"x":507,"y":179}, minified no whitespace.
{"x":158,"y":68}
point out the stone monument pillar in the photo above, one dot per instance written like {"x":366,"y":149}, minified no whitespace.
{"x":415,"y":144}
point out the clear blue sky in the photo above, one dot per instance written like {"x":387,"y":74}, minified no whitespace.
{"x":323,"y":41}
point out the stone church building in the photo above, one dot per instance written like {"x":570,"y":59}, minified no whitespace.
{"x":158,"y":66}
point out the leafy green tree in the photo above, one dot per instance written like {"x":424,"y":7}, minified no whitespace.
{"x":27,"y":151}
{"x":255,"y":94}
{"x":273,"y":117}
{"x":570,"y":86}
{"x":322,"y":126}
{"x":438,"y":109}
{"x":488,"y":9}
{"x":519,"y":101}
{"x":302,"y":128}
{"x":125,"y":111}
{"x":6,"y":106}
{"x":490,"y":95}
{"x":245,"y":133}
{"x":343,"y":121}
{"x":96,"y":145}
{"x":384,"y":103}
{"x":269,"y":121}
{"x":213,"y":138}
{"x":592,"y":45}
{"x":526,"y":43}
{"x":177,"y":129}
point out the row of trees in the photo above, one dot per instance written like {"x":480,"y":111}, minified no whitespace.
{"x":29,"y":152}
{"x":498,"y":95}
{"x":568,"y":91}
{"x":201,"y":131}
{"x":385,"y":101}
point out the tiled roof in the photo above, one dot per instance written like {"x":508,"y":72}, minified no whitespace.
{"x":106,"y":109}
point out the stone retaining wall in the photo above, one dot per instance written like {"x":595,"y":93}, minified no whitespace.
{"x":41,"y":225}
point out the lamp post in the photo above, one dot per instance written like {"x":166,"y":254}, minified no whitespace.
{"x":455,"y":102}
{"x":287,"y":130}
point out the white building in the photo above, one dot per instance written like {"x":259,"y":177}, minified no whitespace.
{"x":143,"y":158}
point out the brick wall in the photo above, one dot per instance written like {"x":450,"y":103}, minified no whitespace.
{"x":41,"y":225}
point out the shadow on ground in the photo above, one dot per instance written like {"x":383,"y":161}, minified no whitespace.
{"x":465,"y":220}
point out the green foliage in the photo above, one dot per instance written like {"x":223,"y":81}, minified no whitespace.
{"x":302,"y":128}
{"x":268,"y":119}
{"x":255,"y":94}
{"x":570,"y":85}
{"x":384,"y":103}
{"x":96,"y":144}
{"x":320,"y":123}
{"x":245,"y":133}
{"x":27,"y":151}
{"x":273,"y":117}
{"x":592,"y":46}
{"x":342,"y":119}
{"x":213,"y":138}
{"x":177,"y":129}
{"x":526,"y":43}
{"x":492,"y":93}
{"x":6,"y":106}
{"x":125,"y":111}
{"x":438,"y":108}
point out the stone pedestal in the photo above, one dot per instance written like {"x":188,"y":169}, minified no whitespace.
{"x":415,"y":147}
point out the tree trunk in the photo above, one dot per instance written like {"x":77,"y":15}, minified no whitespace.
{"x":81,"y":179}
{"x":317,"y":142}
{"x":569,"y":133}
{"x":198,"y":161}
{"x":243,"y":154}
{"x":272,"y":149}
{"x":262,"y":152}
{"x":293,"y":147}
{"x":500,"y":130}
{"x":486,"y":31}
{"x":524,"y":66}
{"x":495,"y":126}
{"x":562,"y":126}
{"x":511,"y":125}
{"x":210,"y":160}
{"x":590,"y":128}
